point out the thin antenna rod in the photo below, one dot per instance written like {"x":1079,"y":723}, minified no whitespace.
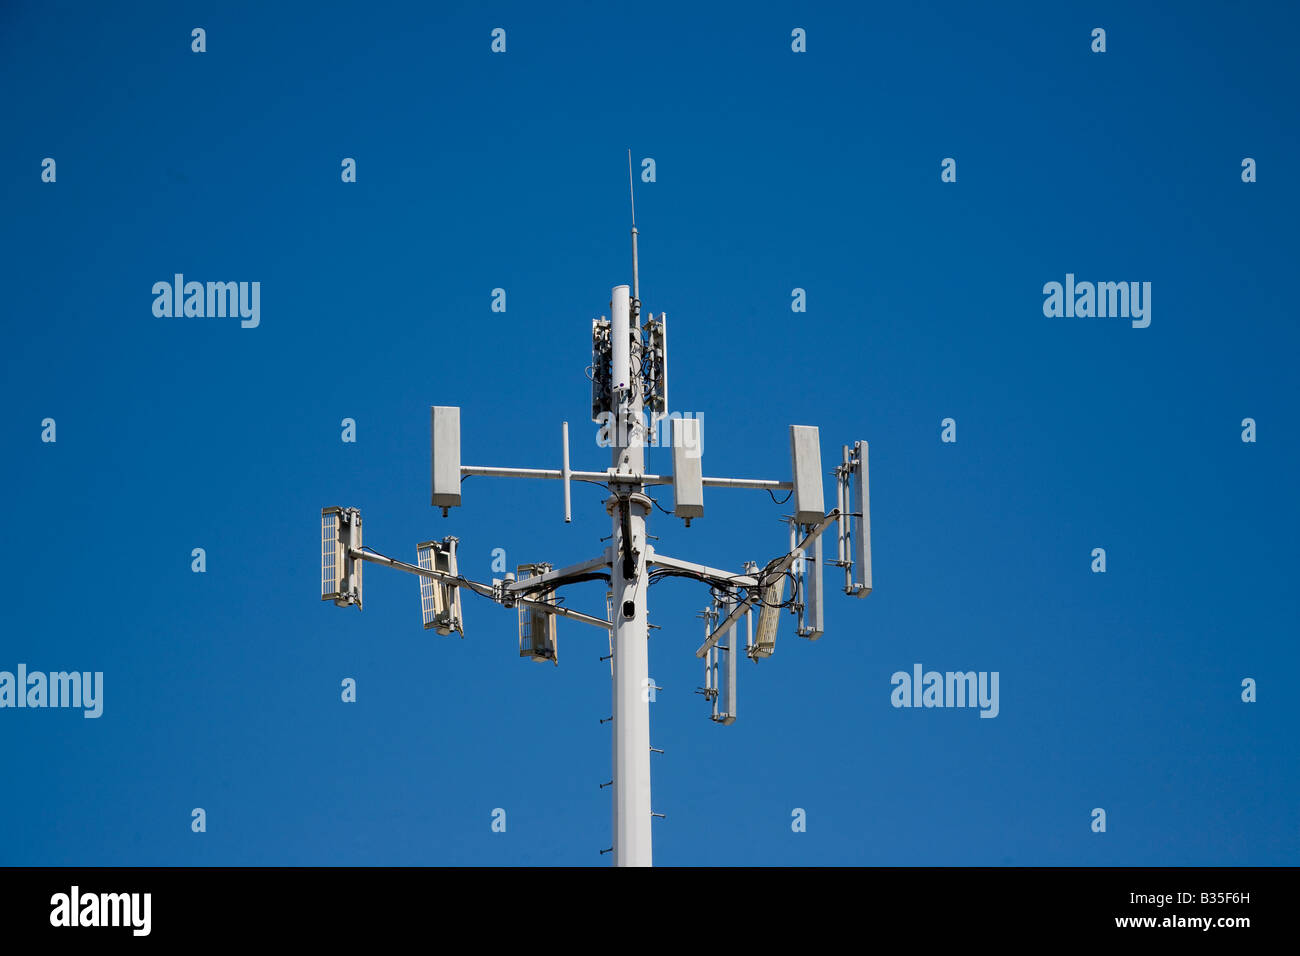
{"x":630,"y":193}
{"x":636,"y":284}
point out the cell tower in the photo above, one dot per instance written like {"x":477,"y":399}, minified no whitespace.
{"x":629,"y":378}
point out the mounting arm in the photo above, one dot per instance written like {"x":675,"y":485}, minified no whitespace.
{"x":781,"y":567}
{"x":475,"y":586}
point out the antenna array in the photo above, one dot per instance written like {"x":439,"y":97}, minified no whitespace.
{"x":629,"y":378}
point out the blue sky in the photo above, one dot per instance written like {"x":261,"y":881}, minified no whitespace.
{"x":775,"y":170}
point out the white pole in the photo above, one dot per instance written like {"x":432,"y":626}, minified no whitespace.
{"x":628,"y":508}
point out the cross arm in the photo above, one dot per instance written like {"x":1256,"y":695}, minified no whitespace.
{"x":713,"y":575}
{"x":556,"y":474}
{"x":541,"y":580}
{"x":477,"y":587}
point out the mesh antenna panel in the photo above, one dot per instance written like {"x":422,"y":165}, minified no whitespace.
{"x":439,"y":600}
{"x":537,"y":627}
{"x":340,"y":574}
{"x":773,"y":596}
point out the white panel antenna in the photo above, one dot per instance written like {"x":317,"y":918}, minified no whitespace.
{"x":853,"y":481}
{"x":445,"y":426}
{"x":688,"y":473}
{"x":862,"y":484}
{"x":806,"y":463}
{"x":726,"y":673}
{"x":620,"y":334}
{"x":808,"y":602}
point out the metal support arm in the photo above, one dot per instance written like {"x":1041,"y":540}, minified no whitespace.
{"x":476,"y":586}
{"x":538,"y":580}
{"x":556,"y":474}
{"x":781,"y":567}
{"x":724,"y":578}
